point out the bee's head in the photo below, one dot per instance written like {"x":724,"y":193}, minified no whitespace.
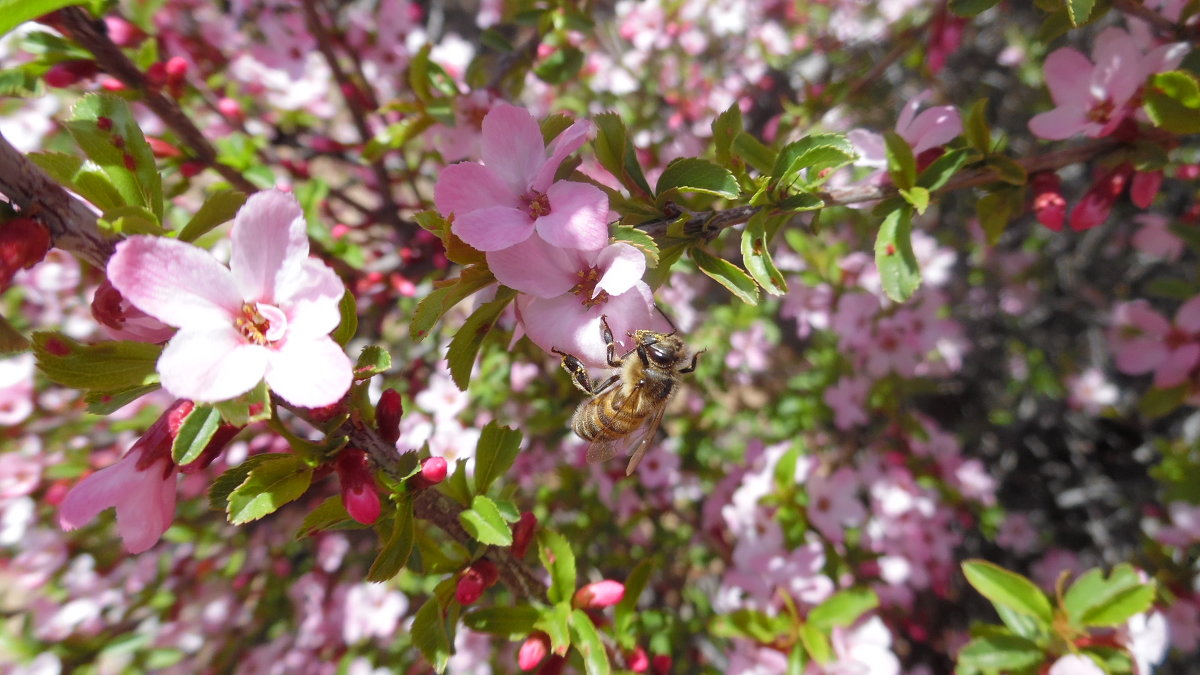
{"x":660,"y":349}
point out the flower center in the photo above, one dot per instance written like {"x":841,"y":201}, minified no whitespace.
{"x":261,"y":323}
{"x":538,"y":205}
{"x":1101,"y":112}
{"x":586,"y":288}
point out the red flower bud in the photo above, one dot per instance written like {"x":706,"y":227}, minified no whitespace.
{"x":469,"y":588}
{"x":177,"y":68}
{"x":600,"y":594}
{"x":1048,"y":204}
{"x":162,"y":149}
{"x":63,"y":75}
{"x":156,"y":74}
{"x":359,"y":494}
{"x":554,"y":665}
{"x":488,"y":572}
{"x":388,"y":412}
{"x":24,"y":242}
{"x":661,"y":664}
{"x":190,"y":169}
{"x":1144,"y":188}
{"x":1095,"y":206}
{"x":533,"y":650}
{"x":523,"y":531}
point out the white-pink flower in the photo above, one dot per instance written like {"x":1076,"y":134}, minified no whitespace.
{"x":1145,"y":341}
{"x":501,"y":202}
{"x":268,"y":314}
{"x":144,"y":499}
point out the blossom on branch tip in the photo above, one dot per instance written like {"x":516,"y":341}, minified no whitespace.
{"x":501,"y":202}
{"x":268,"y":314}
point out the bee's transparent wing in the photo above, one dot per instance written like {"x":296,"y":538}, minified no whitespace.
{"x":645,"y":438}
{"x":604,"y":449}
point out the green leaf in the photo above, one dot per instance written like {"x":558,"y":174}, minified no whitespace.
{"x":494,"y":454}
{"x":118,"y":147}
{"x":131,"y":219}
{"x":16,"y":12}
{"x":106,"y":366}
{"x":727,"y":274}
{"x":751,"y":150}
{"x":970,"y":8}
{"x":757,"y":256}
{"x":1094,"y":600}
{"x":270,"y":484}
{"x":396,"y":135}
{"x":616,"y":154}
{"x":434,"y":306}
{"x":942,"y":169}
{"x":348,"y":325}
{"x":23,"y":81}
{"x":252,"y":406}
{"x":1080,"y":10}
{"x":399,"y":545}
{"x":751,"y":624}
{"x":817,"y":156}
{"x":465,"y":344}
{"x":692,"y":174}
{"x":1010,"y":589}
{"x":220,"y":207}
{"x":917,"y":197}
{"x":901,"y":164}
{"x":725,"y":129}
{"x":485,"y":524}
{"x":639,"y":240}
{"x":1022,"y":624}
{"x":561,"y":65}
{"x":559,"y":560}
{"x":816,"y":643}
{"x":626,"y":610}
{"x":108,"y":402}
{"x":328,"y":515}
{"x":898,"y":269}
{"x":587,"y":640}
{"x":555,"y":621}
{"x":429,"y":634}
{"x":1000,"y":653}
{"x":11,"y":339}
{"x":226,"y":483}
{"x":372,"y":361}
{"x":513,"y":623}
{"x":1008,"y":170}
{"x":1172,"y":100}
{"x":82,"y":176}
{"x":843,"y":608}
{"x":1157,"y":403}
{"x":194,"y":434}
{"x":996,"y":209}
{"x":976,"y":129}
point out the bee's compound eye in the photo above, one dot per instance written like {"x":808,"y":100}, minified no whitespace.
{"x":660,"y":354}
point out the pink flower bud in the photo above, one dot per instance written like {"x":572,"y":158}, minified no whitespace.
{"x":433,"y":470}
{"x":1144,"y":187}
{"x":177,"y":68}
{"x":112,"y":84}
{"x":523,"y":533}
{"x":533,"y":650}
{"x":59,"y":76}
{"x":230,"y":108}
{"x":637,"y":660}
{"x":358,"y":486}
{"x":388,"y":412}
{"x":122,"y":32}
{"x":600,"y":594}
{"x":162,"y":149}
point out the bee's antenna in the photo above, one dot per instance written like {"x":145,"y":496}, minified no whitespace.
{"x":666,"y":318}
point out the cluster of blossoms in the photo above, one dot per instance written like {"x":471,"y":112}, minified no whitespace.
{"x":546,"y":238}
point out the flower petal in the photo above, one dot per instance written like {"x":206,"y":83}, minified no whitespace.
{"x":933,"y":128}
{"x":312,"y":305}
{"x":147,"y":513}
{"x":577,"y":216}
{"x":493,"y":229}
{"x":97,"y":492}
{"x":1178,"y":365}
{"x":466,"y":187}
{"x":564,"y":144}
{"x":1068,"y":76}
{"x":1188,"y":316}
{"x":1061,"y":123}
{"x":623,"y":267}
{"x":1140,"y":355}
{"x":310,"y":373}
{"x":270,"y":245}
{"x":534,"y":267}
{"x":513,"y":146}
{"x":177,"y":283}
{"x":211,"y":365}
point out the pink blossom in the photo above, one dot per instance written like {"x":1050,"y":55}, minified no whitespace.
{"x":1155,"y":239}
{"x":372,"y":610}
{"x":1145,"y":341}
{"x":1090,"y":391}
{"x":268,"y":315}
{"x":1184,"y":529}
{"x":809,"y":305}
{"x":833,"y":503}
{"x":1075,"y":664}
{"x":931,"y":128}
{"x":499,"y":203}
{"x":1183,"y":616}
{"x":16,"y":389}
{"x":143,"y":497}
{"x":862,"y":648}
{"x":1017,"y":533}
{"x":1145,"y":636}
{"x":566,"y":291}
{"x":848,"y":398}
{"x":749,"y":658}
{"x":1092,"y":97}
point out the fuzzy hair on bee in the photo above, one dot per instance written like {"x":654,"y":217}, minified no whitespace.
{"x":625,"y":410}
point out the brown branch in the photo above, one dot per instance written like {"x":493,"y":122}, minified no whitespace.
{"x":388,"y":210}
{"x":709,"y":223}
{"x":71,"y":223}
{"x":1160,"y":23}
{"x":91,"y":35}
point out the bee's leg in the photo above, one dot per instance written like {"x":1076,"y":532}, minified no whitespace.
{"x":578,"y":373}
{"x":610,"y":346}
{"x":691,"y":367}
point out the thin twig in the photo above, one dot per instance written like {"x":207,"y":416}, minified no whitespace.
{"x":91,"y":35}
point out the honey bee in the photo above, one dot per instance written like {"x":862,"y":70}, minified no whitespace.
{"x":629,"y":405}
